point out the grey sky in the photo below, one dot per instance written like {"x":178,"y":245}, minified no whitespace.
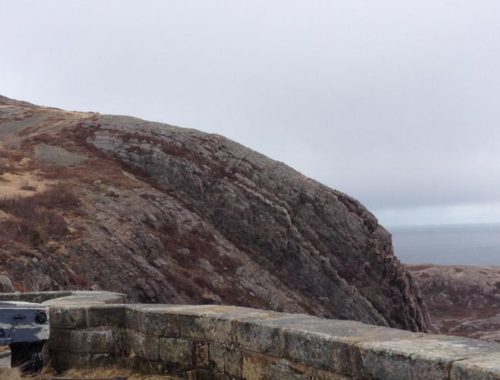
{"x":394,"y":102}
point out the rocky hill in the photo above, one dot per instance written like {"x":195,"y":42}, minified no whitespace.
{"x":168,"y":214}
{"x":462,"y":300}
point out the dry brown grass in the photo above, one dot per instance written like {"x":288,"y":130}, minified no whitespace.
{"x":10,"y":374}
{"x":37,"y":219}
{"x":8,"y":159}
{"x":12,"y":141}
{"x":21,"y":184}
{"x":27,"y":186}
{"x":110,"y":373}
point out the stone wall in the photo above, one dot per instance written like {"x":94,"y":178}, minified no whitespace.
{"x":226,"y":342}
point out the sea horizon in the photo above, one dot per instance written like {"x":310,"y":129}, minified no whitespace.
{"x":447,"y":244}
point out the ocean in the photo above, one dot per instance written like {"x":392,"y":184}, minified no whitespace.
{"x":465,"y":244}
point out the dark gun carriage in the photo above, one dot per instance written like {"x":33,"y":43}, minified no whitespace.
{"x":24,"y":327}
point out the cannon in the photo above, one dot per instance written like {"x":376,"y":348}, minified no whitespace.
{"x":24,"y":327}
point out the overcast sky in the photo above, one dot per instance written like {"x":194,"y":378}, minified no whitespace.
{"x":396,"y":103}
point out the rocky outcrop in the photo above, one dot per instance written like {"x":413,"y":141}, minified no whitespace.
{"x":167,"y":214}
{"x":6,"y":284}
{"x":462,"y":300}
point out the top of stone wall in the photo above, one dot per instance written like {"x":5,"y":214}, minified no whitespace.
{"x":53,"y":298}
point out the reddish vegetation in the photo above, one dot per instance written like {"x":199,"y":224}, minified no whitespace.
{"x":37,"y":219}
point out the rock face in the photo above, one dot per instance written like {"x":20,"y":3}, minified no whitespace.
{"x":168,"y":214}
{"x":462,"y":300}
{"x":5,"y":284}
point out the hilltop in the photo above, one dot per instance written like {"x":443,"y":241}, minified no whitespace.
{"x":173,"y":215}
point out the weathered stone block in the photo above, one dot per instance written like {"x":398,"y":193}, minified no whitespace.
{"x":145,"y":366}
{"x":484,"y":367}
{"x":262,"y":367}
{"x":121,"y":340}
{"x":256,"y":366}
{"x":161,"y":323}
{"x":203,"y":374}
{"x":210,"y":322}
{"x":60,"y":339}
{"x":154,"y":320}
{"x":205,"y":328}
{"x":62,"y":361}
{"x":106,"y":316}
{"x":313,"y":342}
{"x":92,"y":340}
{"x":315,"y":350}
{"x":143,"y":345}
{"x":252,"y":334}
{"x":286,"y":372}
{"x":68,"y":317}
{"x":328,"y":344}
{"x":133,"y":318}
{"x":425,"y":357}
{"x":226,"y":359}
{"x":97,"y":341}
{"x":318,"y":374}
{"x":176,"y":353}
{"x":201,"y":354}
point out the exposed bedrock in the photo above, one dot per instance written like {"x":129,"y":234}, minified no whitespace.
{"x":174,"y":215}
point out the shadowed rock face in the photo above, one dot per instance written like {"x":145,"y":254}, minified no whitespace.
{"x":168,"y":214}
